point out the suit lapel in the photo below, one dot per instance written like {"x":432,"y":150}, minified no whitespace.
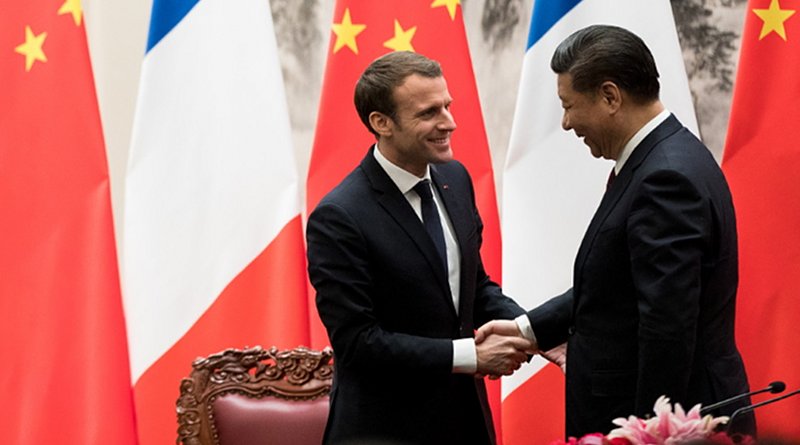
{"x":461,"y":216}
{"x":390,"y":198}
{"x":457,"y":211}
{"x":618,"y":189}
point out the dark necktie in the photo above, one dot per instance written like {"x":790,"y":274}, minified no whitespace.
{"x":611,"y":177}
{"x":430,"y":217}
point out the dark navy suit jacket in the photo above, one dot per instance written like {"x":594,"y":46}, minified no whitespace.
{"x":651,"y":311}
{"x":386,"y":303}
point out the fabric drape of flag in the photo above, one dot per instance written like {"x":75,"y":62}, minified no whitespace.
{"x":213,"y":248}
{"x":761,"y":161}
{"x":66,"y":377}
{"x":552,"y":186}
{"x":364,"y":30}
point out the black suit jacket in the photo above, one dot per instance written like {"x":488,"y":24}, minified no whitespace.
{"x":651,"y":311}
{"x":386,"y":303}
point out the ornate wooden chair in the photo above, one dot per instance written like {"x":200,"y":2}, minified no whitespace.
{"x":256,"y":396}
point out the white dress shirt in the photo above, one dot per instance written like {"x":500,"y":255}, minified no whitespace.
{"x":464,"y":355}
{"x":638,"y":138}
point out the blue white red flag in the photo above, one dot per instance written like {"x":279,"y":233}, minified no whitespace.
{"x":213,"y":249}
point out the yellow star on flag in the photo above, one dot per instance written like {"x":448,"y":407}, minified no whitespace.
{"x":402,"y":38}
{"x":346,"y":33}
{"x":773,"y":19}
{"x":32,"y":48}
{"x":450,"y":4}
{"x":72,"y":7}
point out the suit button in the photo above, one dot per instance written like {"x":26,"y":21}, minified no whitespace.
{"x":571,"y":330}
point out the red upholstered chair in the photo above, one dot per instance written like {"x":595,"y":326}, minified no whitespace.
{"x":256,"y":396}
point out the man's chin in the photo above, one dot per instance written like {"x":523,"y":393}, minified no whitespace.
{"x":441,"y":158}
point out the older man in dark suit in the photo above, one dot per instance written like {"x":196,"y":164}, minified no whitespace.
{"x":394,"y":254}
{"x":651,"y":310}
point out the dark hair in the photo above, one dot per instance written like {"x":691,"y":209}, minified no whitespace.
{"x":375,"y":87}
{"x":600,"y":53}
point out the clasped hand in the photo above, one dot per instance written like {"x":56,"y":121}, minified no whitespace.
{"x":501,"y":348}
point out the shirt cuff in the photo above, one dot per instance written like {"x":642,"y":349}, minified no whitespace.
{"x":465,"y":358}
{"x":524,"y":325}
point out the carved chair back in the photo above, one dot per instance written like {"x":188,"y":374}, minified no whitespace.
{"x":256,"y":396}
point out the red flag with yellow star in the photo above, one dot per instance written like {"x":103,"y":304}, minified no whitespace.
{"x":364,"y":30}
{"x":761,"y":162}
{"x":65,"y":378}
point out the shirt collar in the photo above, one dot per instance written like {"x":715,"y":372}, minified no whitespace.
{"x":404,"y":180}
{"x":638,"y":138}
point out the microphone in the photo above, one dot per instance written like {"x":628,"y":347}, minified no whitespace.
{"x":774,"y":388}
{"x":747,"y":409}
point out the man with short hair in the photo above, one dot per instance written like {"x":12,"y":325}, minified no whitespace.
{"x":652,"y":307}
{"x":394,"y":254}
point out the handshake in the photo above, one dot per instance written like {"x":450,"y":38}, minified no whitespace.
{"x":502,"y":349}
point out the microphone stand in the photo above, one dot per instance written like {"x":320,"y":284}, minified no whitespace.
{"x":746,"y":409}
{"x":774,"y":387}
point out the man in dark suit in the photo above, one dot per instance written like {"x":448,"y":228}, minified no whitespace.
{"x":651,"y":310}
{"x":393,"y":253}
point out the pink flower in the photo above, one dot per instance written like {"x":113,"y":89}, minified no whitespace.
{"x":592,"y":439}
{"x":668,"y":427}
{"x":618,"y":441}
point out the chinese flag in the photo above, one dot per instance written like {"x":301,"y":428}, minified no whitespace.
{"x":761,"y":162}
{"x":364,"y":30}
{"x":65,"y":378}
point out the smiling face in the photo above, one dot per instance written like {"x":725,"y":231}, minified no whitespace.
{"x":591,"y":116}
{"x":420,"y":132}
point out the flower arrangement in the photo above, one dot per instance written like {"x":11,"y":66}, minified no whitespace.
{"x":668,"y":427}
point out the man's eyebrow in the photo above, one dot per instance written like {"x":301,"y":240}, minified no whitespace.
{"x":426,"y":110}
{"x":444,"y":104}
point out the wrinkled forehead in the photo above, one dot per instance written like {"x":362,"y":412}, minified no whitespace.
{"x":418,"y":91}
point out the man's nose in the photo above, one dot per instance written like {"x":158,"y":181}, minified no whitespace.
{"x":565,"y":123}
{"x":447,"y":122}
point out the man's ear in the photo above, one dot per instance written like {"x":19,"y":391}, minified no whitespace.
{"x":381,"y":123}
{"x":611,"y":95}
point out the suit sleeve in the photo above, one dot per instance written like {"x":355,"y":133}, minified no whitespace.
{"x":551,"y":321}
{"x":667,"y":234}
{"x":338,"y":269}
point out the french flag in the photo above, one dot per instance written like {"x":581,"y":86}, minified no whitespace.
{"x":552,"y":186}
{"x":213,"y":253}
